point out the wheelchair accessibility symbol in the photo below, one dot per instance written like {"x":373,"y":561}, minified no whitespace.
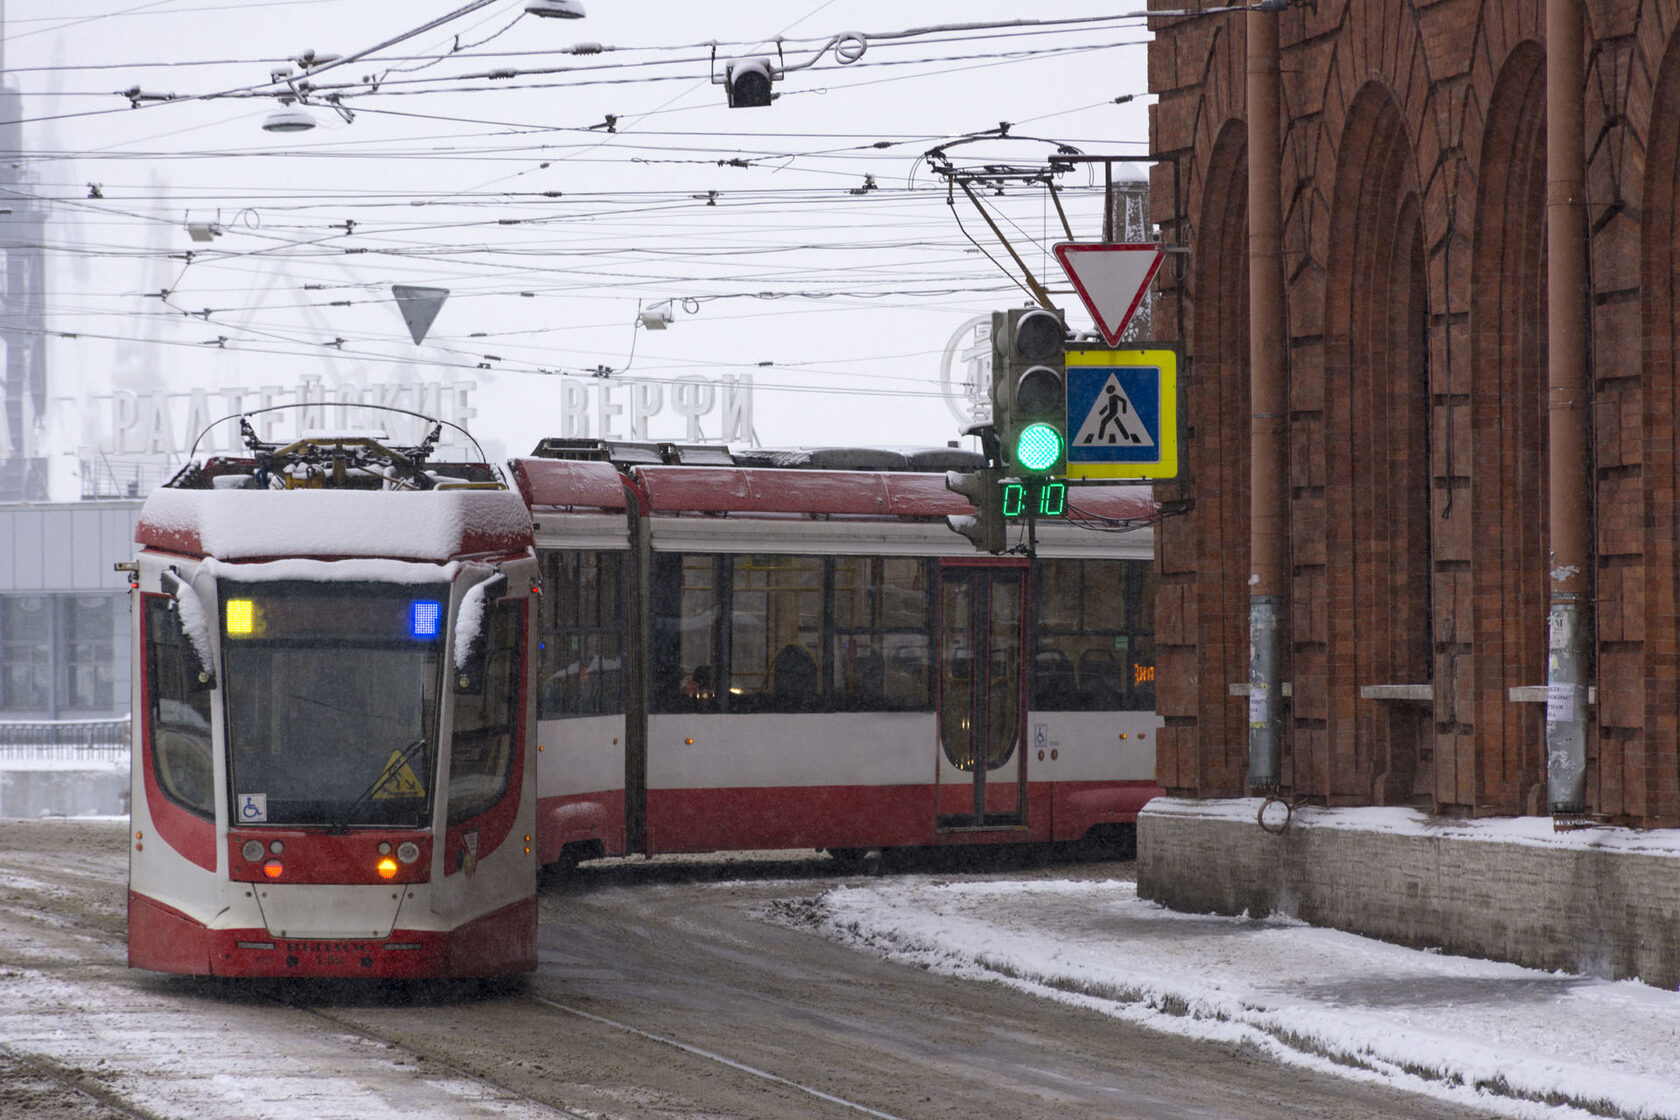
{"x":253,"y":808}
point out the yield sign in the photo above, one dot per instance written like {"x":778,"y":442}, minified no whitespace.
{"x":1111,"y":278}
{"x":419,"y":306}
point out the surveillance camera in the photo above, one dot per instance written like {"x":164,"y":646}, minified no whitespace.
{"x":747,"y":82}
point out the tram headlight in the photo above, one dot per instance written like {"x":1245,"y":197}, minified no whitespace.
{"x":252,"y":850}
{"x":408,"y":851}
{"x":387,"y":868}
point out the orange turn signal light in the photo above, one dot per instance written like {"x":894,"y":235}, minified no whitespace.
{"x":387,"y":868}
{"x":274,"y":869}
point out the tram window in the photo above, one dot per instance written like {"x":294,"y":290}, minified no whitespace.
{"x":1095,"y":649}
{"x":776,"y":621}
{"x":684,"y":653}
{"x":581,"y":634}
{"x":177,"y":711}
{"x":487,"y":722}
{"x":880,"y":642}
{"x":331,"y":704}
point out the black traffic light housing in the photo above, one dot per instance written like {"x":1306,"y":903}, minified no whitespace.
{"x":985,"y":529}
{"x":746,"y":82}
{"x":1029,"y":390}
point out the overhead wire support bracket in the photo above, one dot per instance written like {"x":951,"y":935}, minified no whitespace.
{"x":1038,"y":291}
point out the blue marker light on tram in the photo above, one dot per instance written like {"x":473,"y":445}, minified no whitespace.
{"x":425,"y":618}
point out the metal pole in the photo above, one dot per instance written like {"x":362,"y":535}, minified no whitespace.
{"x":1569,"y":399}
{"x":1268,"y":424}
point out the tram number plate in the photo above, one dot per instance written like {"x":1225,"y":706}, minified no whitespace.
{"x":327,"y":953}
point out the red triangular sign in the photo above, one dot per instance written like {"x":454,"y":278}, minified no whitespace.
{"x":419,"y":306}
{"x":1111,"y":278}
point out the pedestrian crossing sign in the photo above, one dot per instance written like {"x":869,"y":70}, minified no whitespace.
{"x":1122,"y":414}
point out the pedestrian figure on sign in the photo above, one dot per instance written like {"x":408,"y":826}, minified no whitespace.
{"x":1111,"y":410}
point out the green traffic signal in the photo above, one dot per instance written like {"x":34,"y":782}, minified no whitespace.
{"x":1038,"y":448}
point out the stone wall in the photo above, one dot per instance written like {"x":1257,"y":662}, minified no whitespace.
{"x":1603,"y":902}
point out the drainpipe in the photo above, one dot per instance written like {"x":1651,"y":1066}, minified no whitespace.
{"x":1268,"y":423}
{"x":1569,"y":397}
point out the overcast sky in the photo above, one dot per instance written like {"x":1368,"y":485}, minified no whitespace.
{"x":829,"y":267}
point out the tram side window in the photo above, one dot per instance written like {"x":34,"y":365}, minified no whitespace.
{"x":881,"y":648}
{"x":487,"y":721}
{"x":776,"y":622}
{"x":177,"y":711}
{"x":1096,"y":642}
{"x":582,"y":634}
{"x":684,"y":656}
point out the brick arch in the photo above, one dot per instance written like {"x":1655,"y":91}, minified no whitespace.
{"x":1506,"y":563}
{"x":1375,"y":626}
{"x":1218,"y":455}
{"x":1651,"y":789}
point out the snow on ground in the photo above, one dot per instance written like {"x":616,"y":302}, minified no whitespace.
{"x":175,"y":1054}
{"x":1534,"y":831}
{"x":1507,"y":1039}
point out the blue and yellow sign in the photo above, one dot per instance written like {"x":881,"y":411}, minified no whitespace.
{"x":1122,"y":413}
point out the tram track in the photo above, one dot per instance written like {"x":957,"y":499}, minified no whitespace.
{"x":507,"y":1088}
{"x":698,"y":1052}
{"x":78,"y":1082}
{"x":434,"y":1057}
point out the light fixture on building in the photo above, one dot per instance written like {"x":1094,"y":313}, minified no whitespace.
{"x":203,"y":231}
{"x":555,"y":9}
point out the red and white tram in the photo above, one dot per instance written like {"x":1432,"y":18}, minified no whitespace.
{"x":334,"y":771}
{"x":739,"y":656}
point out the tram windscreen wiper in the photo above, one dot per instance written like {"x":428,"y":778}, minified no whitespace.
{"x":386,"y":775}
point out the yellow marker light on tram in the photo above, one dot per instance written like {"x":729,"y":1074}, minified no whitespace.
{"x":387,"y":868}
{"x":241,"y":616}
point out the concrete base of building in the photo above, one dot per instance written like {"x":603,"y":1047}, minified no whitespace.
{"x":1602,"y":901}
{"x":64,"y":791}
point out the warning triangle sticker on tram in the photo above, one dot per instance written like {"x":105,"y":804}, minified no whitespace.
{"x":1111,"y":278}
{"x":1112,"y":421}
{"x":398,"y":780}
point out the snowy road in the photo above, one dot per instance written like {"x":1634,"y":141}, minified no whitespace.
{"x":698,"y":989}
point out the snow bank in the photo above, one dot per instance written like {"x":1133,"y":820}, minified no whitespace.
{"x":1481,"y":1034}
{"x":1536,"y":831}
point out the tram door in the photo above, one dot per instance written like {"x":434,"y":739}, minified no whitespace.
{"x":982,"y":636}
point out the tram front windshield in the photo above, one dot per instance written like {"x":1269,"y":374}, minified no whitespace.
{"x":331,"y":694}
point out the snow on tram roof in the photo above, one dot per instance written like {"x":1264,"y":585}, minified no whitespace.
{"x":432,"y":525}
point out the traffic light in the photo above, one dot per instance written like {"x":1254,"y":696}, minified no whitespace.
{"x":985,"y":529}
{"x":1029,"y":390}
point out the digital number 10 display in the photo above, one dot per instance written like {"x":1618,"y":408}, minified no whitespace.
{"x":1049,"y":499}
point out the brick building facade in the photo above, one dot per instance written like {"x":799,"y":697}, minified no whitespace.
{"x":1414,"y":261}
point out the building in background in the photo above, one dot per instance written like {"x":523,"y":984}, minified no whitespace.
{"x":1415,"y":251}
{"x":64,"y":627}
{"x":23,"y":363}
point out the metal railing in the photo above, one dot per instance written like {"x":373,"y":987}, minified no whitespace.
{"x":65,"y":740}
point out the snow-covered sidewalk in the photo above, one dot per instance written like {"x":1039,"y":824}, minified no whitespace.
{"x":1507,"y":1039}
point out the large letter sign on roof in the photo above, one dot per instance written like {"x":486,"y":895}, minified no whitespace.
{"x":1122,"y":408}
{"x":1111,"y":278}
